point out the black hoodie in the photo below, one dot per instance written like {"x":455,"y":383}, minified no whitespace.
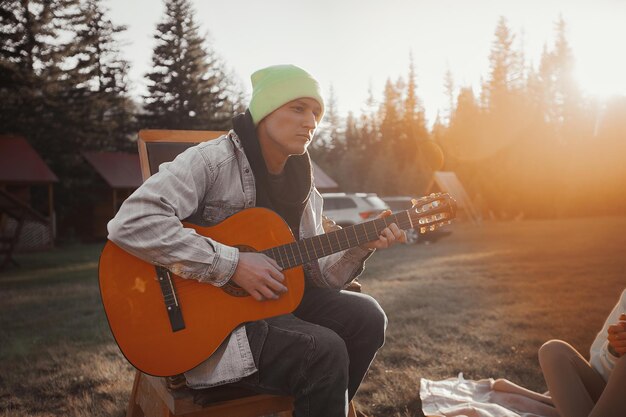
{"x":288,"y":201}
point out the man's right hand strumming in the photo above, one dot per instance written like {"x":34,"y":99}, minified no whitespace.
{"x":259,"y":275}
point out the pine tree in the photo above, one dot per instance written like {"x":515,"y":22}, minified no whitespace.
{"x":537,"y":87}
{"x":328,"y":144}
{"x":14,"y":66}
{"x":29,"y":68}
{"x":448,"y":86}
{"x":351,"y":135}
{"x":65,"y":89}
{"x":567,"y":91}
{"x":504,"y":77}
{"x":369,"y":124}
{"x":187,"y":88}
{"x":16,"y":75}
{"x":562,"y":98}
{"x":96,"y":90}
{"x":414,"y":114}
{"x":463,"y":139}
{"x":505,"y":105}
{"x":411,"y":158}
{"x":390,"y":115}
{"x":328,"y":138}
{"x":413,"y":118}
{"x":349,"y":170}
{"x":468,"y":150}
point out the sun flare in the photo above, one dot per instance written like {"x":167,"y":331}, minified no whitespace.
{"x":602,"y":79}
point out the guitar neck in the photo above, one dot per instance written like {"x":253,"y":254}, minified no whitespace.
{"x":305,"y":250}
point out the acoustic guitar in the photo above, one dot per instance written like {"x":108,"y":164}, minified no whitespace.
{"x":166,"y":325}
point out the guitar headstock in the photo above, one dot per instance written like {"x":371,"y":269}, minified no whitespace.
{"x":432,"y":211}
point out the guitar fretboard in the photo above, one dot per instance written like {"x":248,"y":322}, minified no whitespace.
{"x":305,"y":250}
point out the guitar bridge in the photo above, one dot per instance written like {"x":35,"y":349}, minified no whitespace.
{"x":170,"y":298}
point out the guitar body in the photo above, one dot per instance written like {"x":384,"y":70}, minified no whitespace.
{"x":137,"y":314}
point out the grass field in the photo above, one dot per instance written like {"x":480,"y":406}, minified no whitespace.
{"x":479,"y":300}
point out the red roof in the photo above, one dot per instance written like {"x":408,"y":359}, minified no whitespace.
{"x":119,"y":169}
{"x":20,"y":163}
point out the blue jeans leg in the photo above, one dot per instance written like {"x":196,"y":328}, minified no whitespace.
{"x":301,"y":359}
{"x":357,"y":318}
{"x":320,"y":353}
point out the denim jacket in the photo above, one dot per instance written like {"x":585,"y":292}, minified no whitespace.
{"x":204,"y":185}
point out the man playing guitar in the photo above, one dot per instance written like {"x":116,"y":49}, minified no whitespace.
{"x":320,"y":353}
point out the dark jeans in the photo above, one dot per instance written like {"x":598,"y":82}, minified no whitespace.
{"x":320,"y":353}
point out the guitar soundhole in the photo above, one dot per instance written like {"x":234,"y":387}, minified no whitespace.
{"x":230,"y":287}
{"x":235,"y":290}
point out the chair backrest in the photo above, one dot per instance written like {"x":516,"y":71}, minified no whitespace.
{"x":158,"y":146}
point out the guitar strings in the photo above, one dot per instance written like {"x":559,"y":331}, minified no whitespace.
{"x":324,"y":244}
{"x":304,"y":252}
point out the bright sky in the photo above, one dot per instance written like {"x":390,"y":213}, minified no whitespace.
{"x":355,"y":44}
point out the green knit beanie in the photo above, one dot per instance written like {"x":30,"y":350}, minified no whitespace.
{"x":279,"y":84}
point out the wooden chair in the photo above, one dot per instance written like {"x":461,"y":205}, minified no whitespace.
{"x":151,"y":396}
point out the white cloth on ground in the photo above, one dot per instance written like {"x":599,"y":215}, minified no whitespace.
{"x":459,"y":397}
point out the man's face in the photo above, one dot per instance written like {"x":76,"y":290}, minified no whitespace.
{"x":289,"y":129}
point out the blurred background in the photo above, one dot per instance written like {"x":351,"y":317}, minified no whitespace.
{"x":525,"y":105}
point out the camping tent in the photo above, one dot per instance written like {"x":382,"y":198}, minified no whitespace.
{"x":448,"y":182}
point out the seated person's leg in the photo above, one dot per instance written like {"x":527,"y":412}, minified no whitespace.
{"x":573,"y":384}
{"x":297,"y":358}
{"x":357,"y":318}
{"x":612,"y":402}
